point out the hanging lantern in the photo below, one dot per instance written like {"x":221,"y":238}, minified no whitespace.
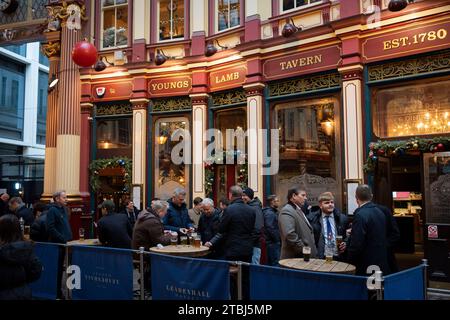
{"x":84,"y":54}
{"x":397,"y":5}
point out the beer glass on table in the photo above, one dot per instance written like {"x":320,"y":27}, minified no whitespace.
{"x":81,"y":234}
{"x":306,"y":253}
{"x":26,"y":233}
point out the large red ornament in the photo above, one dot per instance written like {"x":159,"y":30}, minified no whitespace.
{"x":84,"y":54}
{"x":440,"y":147}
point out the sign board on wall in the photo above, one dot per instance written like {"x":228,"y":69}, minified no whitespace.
{"x":227,"y":78}
{"x":409,"y":41}
{"x":303,"y":62}
{"x":112,"y":91}
{"x":173,"y":86}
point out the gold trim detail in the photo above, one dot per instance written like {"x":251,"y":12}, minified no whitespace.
{"x":306,"y":84}
{"x":113,"y":109}
{"x":410,"y":67}
{"x":51,"y":49}
{"x":229,"y":98}
{"x":171,"y":104}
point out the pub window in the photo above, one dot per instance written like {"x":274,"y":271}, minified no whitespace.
{"x":114,"y":23}
{"x":228,"y":14}
{"x":171,"y":170}
{"x":171,"y":19}
{"x":412,"y":109}
{"x":307,"y":146}
{"x":294,"y":4}
{"x":114,"y":138}
{"x":42,"y":107}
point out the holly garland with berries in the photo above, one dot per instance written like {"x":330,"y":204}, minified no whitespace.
{"x":117,"y":162}
{"x":400,"y":148}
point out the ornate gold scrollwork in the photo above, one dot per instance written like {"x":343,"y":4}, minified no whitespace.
{"x":59,"y":14}
{"x":171,"y":104}
{"x":51,"y":49}
{"x":306,"y":84}
{"x":229,"y":98}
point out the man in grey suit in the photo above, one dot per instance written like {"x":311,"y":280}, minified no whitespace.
{"x":295,"y":229}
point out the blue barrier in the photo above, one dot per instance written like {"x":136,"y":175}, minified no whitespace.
{"x":176,"y":278}
{"x":106,"y":273}
{"x":405,"y":285}
{"x":273,"y":283}
{"x":46,"y":286}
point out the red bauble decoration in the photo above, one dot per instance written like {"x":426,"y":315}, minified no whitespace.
{"x":380,"y":152}
{"x":440,"y":147}
{"x":84,"y":54}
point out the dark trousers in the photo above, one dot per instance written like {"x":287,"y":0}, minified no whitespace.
{"x":245,"y":278}
{"x":273,"y":253}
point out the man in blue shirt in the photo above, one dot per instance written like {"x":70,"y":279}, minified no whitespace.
{"x":177,"y":217}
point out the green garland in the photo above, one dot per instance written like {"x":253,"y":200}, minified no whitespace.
{"x":116,"y":162}
{"x":399,"y":148}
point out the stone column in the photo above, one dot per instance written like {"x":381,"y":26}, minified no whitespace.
{"x":52,"y":51}
{"x":199,"y":126}
{"x":139,"y":147}
{"x":352,"y":118}
{"x":69,"y":118}
{"x":255,"y":107}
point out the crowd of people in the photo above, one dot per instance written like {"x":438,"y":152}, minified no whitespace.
{"x":237,"y":229}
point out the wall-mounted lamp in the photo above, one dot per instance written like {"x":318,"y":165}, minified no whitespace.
{"x":100,"y":65}
{"x":161,"y":57}
{"x":52,"y":83}
{"x":398,"y":5}
{"x":289,"y":29}
{"x":211,"y":50}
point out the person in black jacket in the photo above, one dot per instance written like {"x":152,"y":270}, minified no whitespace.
{"x":19,"y":265}
{"x":4,"y":199}
{"x":368,"y":240}
{"x":252,"y":201}
{"x":208,"y":224}
{"x":114,"y":230}
{"x":57,"y":222}
{"x":131,"y":212}
{"x":339,"y":224}
{"x":393,"y":236}
{"x":17,"y":207}
{"x":38,"y":230}
{"x":272,"y":231}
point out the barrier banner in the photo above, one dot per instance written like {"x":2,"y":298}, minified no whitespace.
{"x":273,"y":283}
{"x":405,"y":285}
{"x":106,"y":273}
{"x":175,"y":278}
{"x":47,"y":285}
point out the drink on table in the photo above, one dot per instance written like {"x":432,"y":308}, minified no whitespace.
{"x":306,"y":253}
{"x":81,"y":234}
{"x":26,"y":233}
{"x":184,"y":240}
{"x":339,"y":240}
{"x":173,"y":239}
{"x":197,"y":241}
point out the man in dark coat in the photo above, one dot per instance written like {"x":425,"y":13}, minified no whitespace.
{"x":328,"y":215}
{"x":38,"y":230}
{"x":252,"y":201}
{"x":4,"y":199}
{"x":57,"y":223}
{"x":272,"y":231}
{"x":393,"y":236}
{"x":131,"y":212}
{"x":114,"y":230}
{"x":208,"y":224}
{"x":368,"y":241}
{"x":17,"y":207}
{"x":177,"y":217}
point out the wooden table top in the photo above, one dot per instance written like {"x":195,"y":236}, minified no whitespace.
{"x":318,"y":265}
{"x":85,"y":242}
{"x":182,"y":250}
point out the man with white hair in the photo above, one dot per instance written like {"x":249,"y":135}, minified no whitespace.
{"x":177,"y":218}
{"x":208,"y":223}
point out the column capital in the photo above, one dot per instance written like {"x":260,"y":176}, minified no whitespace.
{"x":199,"y":98}
{"x":52,"y":49}
{"x":354,"y":72}
{"x":139,"y":104}
{"x":254,"y":89}
{"x":58,"y":13}
{"x":87,"y":107}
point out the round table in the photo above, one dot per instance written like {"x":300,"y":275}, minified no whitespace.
{"x":182,"y":250}
{"x":85,"y":242}
{"x":318,"y":265}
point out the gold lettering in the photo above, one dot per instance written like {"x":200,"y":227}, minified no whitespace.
{"x":283,"y":65}
{"x":302,"y":62}
{"x":310,"y":60}
{"x":318,"y":59}
{"x":387,"y":45}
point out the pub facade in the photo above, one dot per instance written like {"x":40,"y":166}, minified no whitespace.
{"x":356,"y":93}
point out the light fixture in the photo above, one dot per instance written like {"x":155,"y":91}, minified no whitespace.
{"x":17,"y":186}
{"x":161,"y":139}
{"x":52,"y":83}
{"x":161,"y":57}
{"x":100,"y":65}
{"x":289,"y":29}
{"x":327,"y":127}
{"x":211,"y":50}
{"x":398,"y":5}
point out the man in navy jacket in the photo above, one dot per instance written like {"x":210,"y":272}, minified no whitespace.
{"x":177,"y":217}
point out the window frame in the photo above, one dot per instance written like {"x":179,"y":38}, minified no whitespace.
{"x":216,"y":17}
{"x":309,"y":5}
{"x":100,"y":28}
{"x":156,"y":18}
